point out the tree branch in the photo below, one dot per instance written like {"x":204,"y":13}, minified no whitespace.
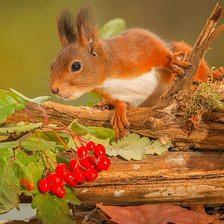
{"x":144,"y":121}
{"x":201,"y":46}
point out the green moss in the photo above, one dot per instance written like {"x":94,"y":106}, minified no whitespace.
{"x":204,"y":97}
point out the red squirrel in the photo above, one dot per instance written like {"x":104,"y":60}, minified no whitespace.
{"x":133,"y":68}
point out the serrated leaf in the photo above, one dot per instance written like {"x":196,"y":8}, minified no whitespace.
{"x":37,"y":100}
{"x":134,"y":147}
{"x":52,"y":210}
{"x":103,"y":133}
{"x":24,"y":158}
{"x":73,"y":144}
{"x":70,"y":197}
{"x":6,"y":110}
{"x":6,"y":153}
{"x":9,"y":145}
{"x":24,"y":175}
{"x":9,"y":182}
{"x":37,"y":144}
{"x":105,"y":142}
{"x":36,"y":170}
{"x":46,"y":135}
{"x":21,"y":127}
{"x":112,"y":28}
{"x":99,"y":132}
{"x":9,"y":103}
{"x":158,"y":148}
{"x":78,"y":128}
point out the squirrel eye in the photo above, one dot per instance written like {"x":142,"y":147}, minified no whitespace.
{"x":76,"y":66}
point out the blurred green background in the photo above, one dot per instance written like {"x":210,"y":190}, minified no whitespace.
{"x":29,"y":41}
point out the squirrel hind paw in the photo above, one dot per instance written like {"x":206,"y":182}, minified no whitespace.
{"x":178,"y":62}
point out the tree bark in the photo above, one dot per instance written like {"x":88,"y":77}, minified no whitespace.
{"x":157,"y":124}
{"x":172,"y":178}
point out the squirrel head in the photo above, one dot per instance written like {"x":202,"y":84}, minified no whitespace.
{"x":80,"y":65}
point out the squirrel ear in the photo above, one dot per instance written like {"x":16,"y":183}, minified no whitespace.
{"x":66,"y":28}
{"x":86,"y":28}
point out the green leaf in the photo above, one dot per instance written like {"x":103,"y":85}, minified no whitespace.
{"x":36,"y":170}
{"x":24,"y":175}
{"x":105,"y":142}
{"x":134,"y":147}
{"x":6,"y":153}
{"x":52,"y":210}
{"x":9,"y":182}
{"x":99,"y":132}
{"x":94,"y":99}
{"x":78,"y":128}
{"x":6,"y":110}
{"x":20,"y":127}
{"x":112,"y":28}
{"x":24,"y":158}
{"x":9,"y":102}
{"x":70,"y":197}
{"x":34,"y":144}
{"x":158,"y":148}
{"x":37,"y":100}
{"x":9,"y":145}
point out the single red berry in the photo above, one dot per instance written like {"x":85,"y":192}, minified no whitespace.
{"x":79,"y":176}
{"x":58,"y":190}
{"x":73,"y":164}
{"x":54,"y":178}
{"x":61,"y":169}
{"x":91,"y":174}
{"x":73,"y":183}
{"x":44,"y":185}
{"x":93,"y":160}
{"x":68,"y":176}
{"x":70,"y":179}
{"x":85,"y":162}
{"x":99,"y":150}
{"x":82,"y":152}
{"x":103,"y":164}
{"x":90,"y":146}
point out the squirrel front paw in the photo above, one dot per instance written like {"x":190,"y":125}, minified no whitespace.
{"x":119,"y":121}
{"x":178,"y":62}
{"x":103,"y":105}
{"x":218,"y":74}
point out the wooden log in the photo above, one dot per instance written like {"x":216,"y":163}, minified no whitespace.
{"x":172,"y":178}
{"x":157,"y":124}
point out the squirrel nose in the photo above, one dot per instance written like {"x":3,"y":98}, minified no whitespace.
{"x":55,"y":90}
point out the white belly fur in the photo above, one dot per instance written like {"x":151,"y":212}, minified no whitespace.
{"x":133,"y":91}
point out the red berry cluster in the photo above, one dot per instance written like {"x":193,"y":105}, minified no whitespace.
{"x":91,"y":160}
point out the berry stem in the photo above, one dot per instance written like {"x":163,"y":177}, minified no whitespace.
{"x":62,"y":142}
{"x":46,"y":117}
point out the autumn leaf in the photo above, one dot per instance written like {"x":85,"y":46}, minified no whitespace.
{"x":155,"y":214}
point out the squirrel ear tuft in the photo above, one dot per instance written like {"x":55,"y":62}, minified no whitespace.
{"x":86,"y":28}
{"x":66,"y":28}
